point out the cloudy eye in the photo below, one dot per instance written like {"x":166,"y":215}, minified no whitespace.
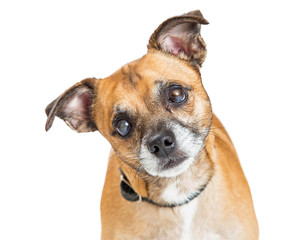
{"x":123,"y":127}
{"x":176,"y":94}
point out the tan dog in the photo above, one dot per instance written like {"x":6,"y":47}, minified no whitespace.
{"x":180,"y":175}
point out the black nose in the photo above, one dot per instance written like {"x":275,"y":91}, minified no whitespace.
{"x":162,"y":144}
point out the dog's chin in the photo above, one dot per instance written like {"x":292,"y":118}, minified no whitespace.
{"x":172,"y":167}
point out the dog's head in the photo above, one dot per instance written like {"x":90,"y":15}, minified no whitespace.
{"x":154,"y":111}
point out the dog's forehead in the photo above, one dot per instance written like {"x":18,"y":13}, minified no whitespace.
{"x":160,"y":66}
{"x":144,"y":78}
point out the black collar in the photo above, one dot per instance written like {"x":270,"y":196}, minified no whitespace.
{"x":129,"y":194}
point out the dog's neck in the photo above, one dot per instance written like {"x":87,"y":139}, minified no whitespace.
{"x":172,"y":191}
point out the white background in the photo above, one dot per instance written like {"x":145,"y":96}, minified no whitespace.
{"x":51,"y":183}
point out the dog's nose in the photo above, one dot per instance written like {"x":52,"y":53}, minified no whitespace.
{"x":162,"y":144}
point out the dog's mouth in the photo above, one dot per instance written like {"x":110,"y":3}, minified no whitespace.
{"x":169,"y":166}
{"x":173,"y":162}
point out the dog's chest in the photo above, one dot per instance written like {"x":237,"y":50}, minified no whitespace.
{"x":185,"y":227}
{"x":176,"y":224}
{"x":187,"y":213}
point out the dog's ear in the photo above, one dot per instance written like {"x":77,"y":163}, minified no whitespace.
{"x":74,"y":107}
{"x":181,"y":37}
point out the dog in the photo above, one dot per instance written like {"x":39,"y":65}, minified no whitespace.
{"x":173,"y":172}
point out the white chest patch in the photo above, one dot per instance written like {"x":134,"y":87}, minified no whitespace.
{"x":188,"y":212}
{"x":171,"y":194}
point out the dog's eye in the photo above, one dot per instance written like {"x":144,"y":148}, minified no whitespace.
{"x":176,"y":94}
{"x":123,"y":127}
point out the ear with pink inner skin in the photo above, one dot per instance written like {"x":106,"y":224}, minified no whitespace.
{"x":180,"y":36}
{"x":74,"y":106}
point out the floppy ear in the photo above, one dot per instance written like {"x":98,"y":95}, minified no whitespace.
{"x":74,"y":107}
{"x":180,"y":36}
